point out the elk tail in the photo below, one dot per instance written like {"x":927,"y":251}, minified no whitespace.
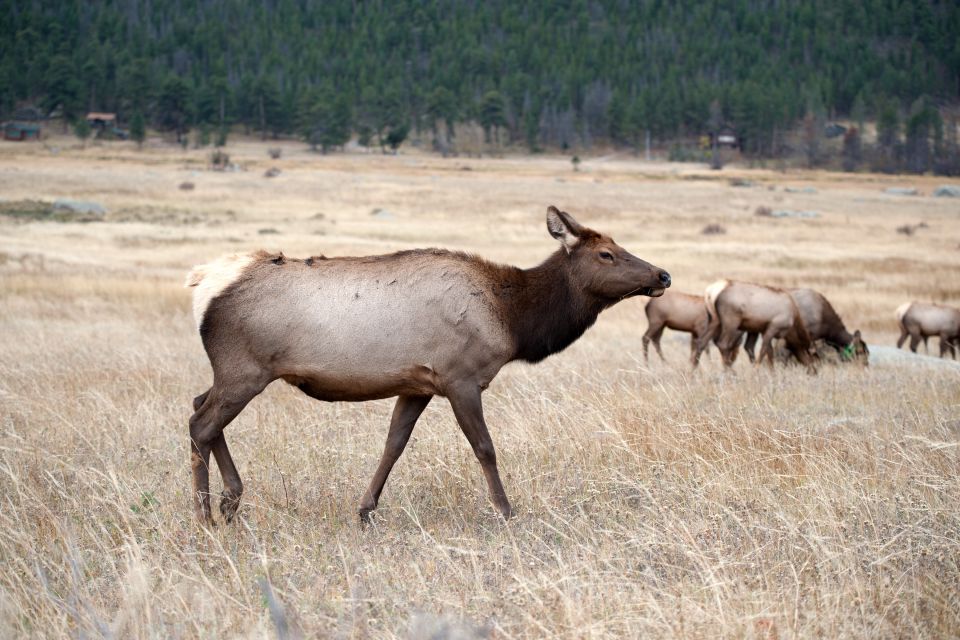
{"x":710,"y":295}
{"x":902,"y":311}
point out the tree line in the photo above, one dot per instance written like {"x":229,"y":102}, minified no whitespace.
{"x":550,"y":74}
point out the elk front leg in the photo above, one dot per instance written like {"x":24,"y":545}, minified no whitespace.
{"x":405,"y":415}
{"x":468,"y":409}
{"x":750,"y":344}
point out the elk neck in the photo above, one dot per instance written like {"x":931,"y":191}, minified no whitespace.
{"x":546,"y":309}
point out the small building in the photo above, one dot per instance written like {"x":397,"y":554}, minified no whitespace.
{"x":105,"y":126}
{"x":20,"y":131}
{"x":725,"y":137}
{"x":102,"y":121}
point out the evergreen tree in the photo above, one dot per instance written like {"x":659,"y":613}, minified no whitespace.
{"x":888,"y":138}
{"x":396,"y":135}
{"x":62,"y":89}
{"x":138,"y":129}
{"x":82,"y":130}
{"x":852,"y":149}
{"x":919,"y":126}
{"x":715,"y":123}
{"x":173,"y":105}
{"x":325,"y":121}
{"x":492,"y":114}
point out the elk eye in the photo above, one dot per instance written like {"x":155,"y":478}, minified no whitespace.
{"x":606,"y":255}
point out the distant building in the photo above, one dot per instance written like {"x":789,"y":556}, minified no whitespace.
{"x":725,"y":137}
{"x":20,"y":131}
{"x":105,"y":125}
{"x":102,"y":121}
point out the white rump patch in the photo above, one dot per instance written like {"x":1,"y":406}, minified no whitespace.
{"x":712,"y":292}
{"x":902,"y":311}
{"x":211,"y":279}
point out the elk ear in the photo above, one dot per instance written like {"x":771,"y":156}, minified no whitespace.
{"x":563,"y":227}
{"x":856,"y":336}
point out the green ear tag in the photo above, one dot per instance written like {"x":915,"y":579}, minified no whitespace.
{"x":848,"y":351}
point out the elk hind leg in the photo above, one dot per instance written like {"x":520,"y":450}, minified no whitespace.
{"x":914,"y":341}
{"x":904,"y":334}
{"x":654,"y":331}
{"x":946,"y":347}
{"x":232,"y":485}
{"x":766,"y":349}
{"x":728,"y":343}
{"x":750,"y":345}
{"x":222,"y":404}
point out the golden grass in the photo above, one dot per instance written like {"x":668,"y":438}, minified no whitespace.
{"x":652,"y":502}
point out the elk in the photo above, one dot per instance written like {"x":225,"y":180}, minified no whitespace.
{"x":739,"y":307}
{"x":678,"y":311}
{"x":412,"y":325}
{"x":920,"y":320}
{"x":822,"y":323}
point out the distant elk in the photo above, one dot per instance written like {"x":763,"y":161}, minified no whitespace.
{"x":412,"y":324}
{"x":678,"y":311}
{"x":822,"y":323}
{"x":736,"y":308}
{"x":920,"y":320}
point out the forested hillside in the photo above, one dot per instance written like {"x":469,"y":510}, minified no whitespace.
{"x":546,"y":73}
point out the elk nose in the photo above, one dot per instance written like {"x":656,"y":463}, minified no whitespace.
{"x":664,"y":279}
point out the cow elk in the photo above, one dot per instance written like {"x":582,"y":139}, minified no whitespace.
{"x":413,"y":324}
{"x":739,"y":307}
{"x":822,"y":323}
{"x":678,"y":311}
{"x":921,"y":320}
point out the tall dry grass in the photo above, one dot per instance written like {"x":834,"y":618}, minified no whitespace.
{"x":653,"y":502}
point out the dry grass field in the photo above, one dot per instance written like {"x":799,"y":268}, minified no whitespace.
{"x":652,"y":501}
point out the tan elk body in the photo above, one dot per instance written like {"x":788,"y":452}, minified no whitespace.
{"x":678,"y":311}
{"x":822,"y":323}
{"x":742,"y":307}
{"x":412,"y":324}
{"x":921,"y":320}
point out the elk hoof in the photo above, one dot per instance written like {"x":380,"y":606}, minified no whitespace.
{"x":229,"y":504}
{"x":365,"y":516}
{"x":205,"y":520}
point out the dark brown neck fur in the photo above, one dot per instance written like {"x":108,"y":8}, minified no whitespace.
{"x":834,"y":331}
{"x":544,"y":311}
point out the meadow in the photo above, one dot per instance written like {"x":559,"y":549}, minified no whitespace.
{"x":652,"y":501}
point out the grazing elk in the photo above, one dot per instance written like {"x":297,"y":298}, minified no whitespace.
{"x":822,"y":323}
{"x":678,"y":311}
{"x":738,"y":307}
{"x":920,"y":320}
{"x":412,"y":324}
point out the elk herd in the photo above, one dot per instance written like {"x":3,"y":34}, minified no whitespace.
{"x":418,"y":324}
{"x":731,"y":313}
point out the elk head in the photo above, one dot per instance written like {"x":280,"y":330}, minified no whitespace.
{"x":600,"y":266}
{"x":857,"y":351}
